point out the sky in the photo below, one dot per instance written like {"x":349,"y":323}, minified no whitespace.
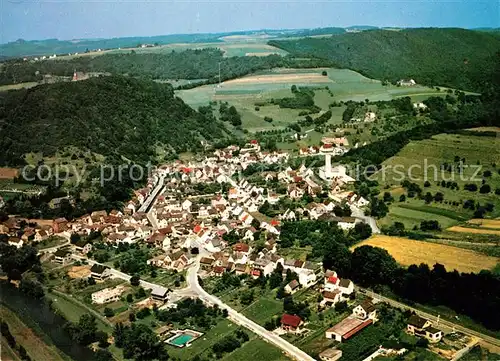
{"x":76,"y":19}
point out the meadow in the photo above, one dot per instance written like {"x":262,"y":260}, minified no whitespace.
{"x":245,"y":92}
{"x":250,"y":46}
{"x":407,"y":251}
{"x":421,"y":161}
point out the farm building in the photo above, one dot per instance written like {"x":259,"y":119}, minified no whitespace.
{"x":347,"y":328}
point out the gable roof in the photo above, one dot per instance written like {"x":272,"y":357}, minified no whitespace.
{"x":290,"y":320}
{"x":241,"y":247}
{"x":99,"y":269}
{"x":206,"y":260}
{"x":332,"y":279}
{"x":417,"y":321}
{"x":368,"y":306}
{"x":331,"y":295}
{"x":293,"y":284}
{"x":345,"y":282}
{"x":62,"y":253}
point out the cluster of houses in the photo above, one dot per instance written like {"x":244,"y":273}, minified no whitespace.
{"x":19,"y":232}
{"x":334,"y":290}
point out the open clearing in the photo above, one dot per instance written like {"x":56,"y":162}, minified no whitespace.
{"x":408,"y":252}
{"x":473,"y":230}
{"x":256,"y":349}
{"x":79,"y":271}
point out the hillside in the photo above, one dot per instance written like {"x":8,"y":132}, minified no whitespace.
{"x":189,"y":64}
{"x":449,"y":57}
{"x":111,"y":116}
{"x":47,"y":47}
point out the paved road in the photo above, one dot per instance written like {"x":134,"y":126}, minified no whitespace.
{"x":292,"y":351}
{"x":451,"y":325}
{"x":359,"y":214}
{"x":152,"y":196}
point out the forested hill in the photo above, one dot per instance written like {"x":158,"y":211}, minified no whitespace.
{"x":189,"y":64}
{"x":112,"y":116}
{"x":450,"y":57}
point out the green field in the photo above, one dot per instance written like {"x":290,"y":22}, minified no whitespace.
{"x":263,"y":310}
{"x":262,"y":86}
{"x":231,"y":47}
{"x":421,"y":160}
{"x":256,"y":349}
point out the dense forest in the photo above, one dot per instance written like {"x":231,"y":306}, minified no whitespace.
{"x":189,"y":64}
{"x":457,"y":58}
{"x":469,"y":111}
{"x":112,"y":116}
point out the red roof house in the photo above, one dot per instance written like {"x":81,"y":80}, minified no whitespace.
{"x":291,"y":322}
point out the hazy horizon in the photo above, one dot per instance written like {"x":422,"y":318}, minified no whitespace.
{"x":68,"y":20}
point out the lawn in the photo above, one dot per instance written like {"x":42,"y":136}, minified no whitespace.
{"x":411,"y":215}
{"x":199,"y":346}
{"x":263,"y":309}
{"x":72,"y":310}
{"x":36,"y":348}
{"x":407,"y":251}
{"x":256,"y":349}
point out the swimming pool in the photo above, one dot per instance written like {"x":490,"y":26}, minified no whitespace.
{"x":181,"y":340}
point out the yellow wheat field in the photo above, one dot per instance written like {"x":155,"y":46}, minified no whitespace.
{"x":486,"y":223}
{"x":280,"y":78}
{"x":474,"y":230}
{"x":407,"y":251}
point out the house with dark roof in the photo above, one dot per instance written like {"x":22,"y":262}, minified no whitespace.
{"x":291,"y":323}
{"x":218,"y":271}
{"x":159,"y":294}
{"x":60,"y":225}
{"x":346,"y":286}
{"x":365,"y":310}
{"x":206,"y":263}
{"x":100,"y":272}
{"x":83,"y":246}
{"x":240,"y":269}
{"x":419,"y":326}
{"x":62,"y":256}
{"x":292,"y":287}
{"x":330,"y":298}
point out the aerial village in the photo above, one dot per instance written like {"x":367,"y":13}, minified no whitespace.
{"x":209,"y":217}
